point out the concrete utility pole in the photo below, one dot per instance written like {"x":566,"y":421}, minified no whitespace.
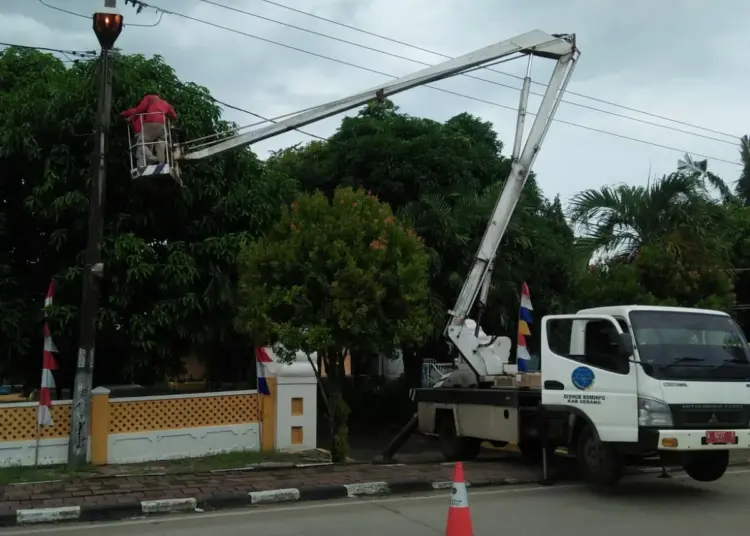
{"x":107,"y":27}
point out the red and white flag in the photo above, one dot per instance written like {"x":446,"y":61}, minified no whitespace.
{"x":44,"y":414}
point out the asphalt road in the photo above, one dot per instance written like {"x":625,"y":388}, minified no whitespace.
{"x":640,"y":505}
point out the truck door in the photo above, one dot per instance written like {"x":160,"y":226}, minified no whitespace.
{"x":585,"y":367}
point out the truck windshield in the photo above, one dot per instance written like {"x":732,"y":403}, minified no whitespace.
{"x":690,"y":346}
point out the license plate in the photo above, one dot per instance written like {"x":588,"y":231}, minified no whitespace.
{"x":720,"y":437}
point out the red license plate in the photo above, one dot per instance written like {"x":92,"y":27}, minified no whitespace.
{"x":720,"y":437}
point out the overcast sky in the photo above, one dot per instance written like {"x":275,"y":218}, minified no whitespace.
{"x":681,"y":59}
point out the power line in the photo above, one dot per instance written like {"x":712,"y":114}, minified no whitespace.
{"x":422,"y":49}
{"x":481,"y":79}
{"x":79,"y":53}
{"x":442,"y":90}
{"x":88,"y":17}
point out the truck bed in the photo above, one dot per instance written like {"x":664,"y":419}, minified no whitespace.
{"x":515,"y":397}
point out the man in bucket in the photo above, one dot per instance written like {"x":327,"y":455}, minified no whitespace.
{"x":148,"y":121}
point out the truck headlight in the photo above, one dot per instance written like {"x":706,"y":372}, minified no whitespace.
{"x":653,"y":413}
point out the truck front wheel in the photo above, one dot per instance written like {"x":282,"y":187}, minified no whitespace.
{"x":707,"y":466}
{"x":600,"y":463}
{"x":452,"y":447}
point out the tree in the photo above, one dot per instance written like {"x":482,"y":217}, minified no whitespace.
{"x":676,"y":212}
{"x":656,"y":277}
{"x":743,"y":184}
{"x":170,"y":274}
{"x":333,"y":275}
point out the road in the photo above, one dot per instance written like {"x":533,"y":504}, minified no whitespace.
{"x":641,"y":505}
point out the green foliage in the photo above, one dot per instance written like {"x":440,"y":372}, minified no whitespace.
{"x":679,"y":281}
{"x":335,"y":274}
{"x":613,"y":283}
{"x":169,"y":261}
{"x":743,"y":184}
{"x":676,"y":212}
{"x":667,"y":244}
{"x":656,"y":277}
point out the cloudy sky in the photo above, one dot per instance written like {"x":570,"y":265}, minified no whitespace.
{"x":680,"y":60}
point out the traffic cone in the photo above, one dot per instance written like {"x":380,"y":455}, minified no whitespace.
{"x":459,"y":518}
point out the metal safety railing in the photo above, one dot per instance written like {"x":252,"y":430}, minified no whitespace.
{"x":432,"y":371}
{"x":149,"y":145}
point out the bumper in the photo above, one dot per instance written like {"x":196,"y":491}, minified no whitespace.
{"x":691,"y":440}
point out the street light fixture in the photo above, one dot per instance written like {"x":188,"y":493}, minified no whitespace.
{"x":107,"y":26}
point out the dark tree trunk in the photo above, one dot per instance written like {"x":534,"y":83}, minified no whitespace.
{"x":338,"y":414}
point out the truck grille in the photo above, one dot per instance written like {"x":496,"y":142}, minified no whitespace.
{"x":710,"y":416}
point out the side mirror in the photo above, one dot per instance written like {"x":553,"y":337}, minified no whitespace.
{"x":625,"y":345}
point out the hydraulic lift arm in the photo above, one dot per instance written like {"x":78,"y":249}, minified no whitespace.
{"x":484,"y":357}
{"x":536,"y":42}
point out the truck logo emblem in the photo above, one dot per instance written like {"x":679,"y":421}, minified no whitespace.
{"x":582,"y":378}
{"x":713,"y":419}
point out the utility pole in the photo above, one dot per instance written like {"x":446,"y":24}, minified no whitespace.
{"x":107,"y":26}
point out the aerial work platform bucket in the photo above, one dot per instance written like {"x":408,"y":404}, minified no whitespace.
{"x":151,"y":159}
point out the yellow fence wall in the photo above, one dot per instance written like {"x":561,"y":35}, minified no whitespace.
{"x":141,"y":429}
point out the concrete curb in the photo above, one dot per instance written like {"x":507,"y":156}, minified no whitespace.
{"x":141,"y":509}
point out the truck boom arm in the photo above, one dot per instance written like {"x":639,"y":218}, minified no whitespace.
{"x":481,"y":356}
{"x":535,"y":42}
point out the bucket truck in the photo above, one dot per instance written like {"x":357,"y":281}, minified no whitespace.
{"x":619,"y":385}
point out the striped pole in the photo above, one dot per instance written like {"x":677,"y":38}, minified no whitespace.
{"x":44,"y":412}
{"x":523,"y":358}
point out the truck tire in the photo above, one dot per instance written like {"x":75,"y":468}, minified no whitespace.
{"x":454,"y":448}
{"x":707,"y":466}
{"x":600,"y":464}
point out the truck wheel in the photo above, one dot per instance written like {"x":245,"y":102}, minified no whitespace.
{"x":454,"y":448}
{"x":600,"y":464}
{"x":707,"y":466}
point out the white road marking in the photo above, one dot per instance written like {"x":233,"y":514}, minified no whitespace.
{"x":438,"y":496}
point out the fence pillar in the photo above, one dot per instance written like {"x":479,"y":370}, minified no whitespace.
{"x":296,"y":406}
{"x":100,"y":426}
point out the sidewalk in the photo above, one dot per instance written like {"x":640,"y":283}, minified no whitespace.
{"x":128,"y":496}
{"x":119,"y":491}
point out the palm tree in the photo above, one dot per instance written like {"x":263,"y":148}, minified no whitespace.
{"x":743,"y":184}
{"x":699,"y":169}
{"x":676,"y":211}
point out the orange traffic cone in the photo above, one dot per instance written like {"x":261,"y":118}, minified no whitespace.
{"x":459,"y":518}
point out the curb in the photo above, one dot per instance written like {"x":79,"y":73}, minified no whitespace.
{"x":141,"y":509}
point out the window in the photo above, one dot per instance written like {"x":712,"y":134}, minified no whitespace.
{"x":601,"y":347}
{"x":623,"y":325}
{"x":690,"y":346}
{"x":591,"y":342}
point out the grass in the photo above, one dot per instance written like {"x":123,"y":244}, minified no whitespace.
{"x":18,"y":474}
{"x":224,"y":461}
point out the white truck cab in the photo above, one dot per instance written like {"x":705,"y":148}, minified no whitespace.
{"x":646,"y":380}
